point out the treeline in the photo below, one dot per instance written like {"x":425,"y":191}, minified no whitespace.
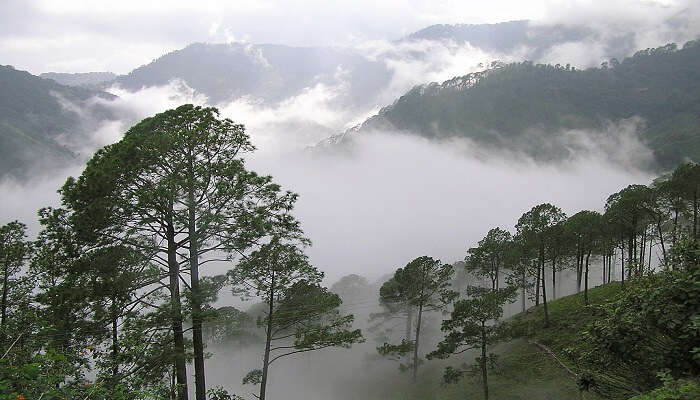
{"x":108,"y":301}
{"x":643,"y":229}
{"x":530,"y":105}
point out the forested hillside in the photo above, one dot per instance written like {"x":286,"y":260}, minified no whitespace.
{"x":524,"y":107}
{"x":224,"y":72}
{"x":86,"y":79}
{"x":116,"y":297}
{"x":34,"y":115}
{"x":505,"y":36}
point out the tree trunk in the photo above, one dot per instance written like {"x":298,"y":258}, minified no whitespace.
{"x":631,"y":255}
{"x":544,"y":298}
{"x":651,"y":243}
{"x":661,"y":241}
{"x":173,"y":389}
{"x":415,"y":344}
{"x":537,"y":284}
{"x":642,"y":252}
{"x":409,"y":322}
{"x":579,"y":270}
{"x":115,"y":345}
{"x":522,"y":290}
{"x":622,"y":265}
{"x":695,"y":213}
{"x":554,"y":278}
{"x":197,"y":340}
{"x":268,"y":340}
{"x":602,"y":282}
{"x":498,"y":274}
{"x":585,"y":290}
{"x":5,"y":290}
{"x":484,"y":372}
{"x":176,"y":317}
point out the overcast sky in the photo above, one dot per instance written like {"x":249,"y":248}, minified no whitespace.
{"x":95,"y":35}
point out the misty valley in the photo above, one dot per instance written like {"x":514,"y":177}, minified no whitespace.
{"x":381,"y":201}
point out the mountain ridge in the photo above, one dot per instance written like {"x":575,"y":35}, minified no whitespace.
{"x":500,"y":105}
{"x":34,"y":116}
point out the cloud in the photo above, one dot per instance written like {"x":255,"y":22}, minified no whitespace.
{"x":619,"y":27}
{"x":396,"y":197}
{"x":41,"y":35}
{"x":299,"y":120}
{"x":421,"y":61}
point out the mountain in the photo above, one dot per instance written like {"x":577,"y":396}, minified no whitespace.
{"x":504,"y":37}
{"x":268,"y":72}
{"x":39,"y":117}
{"x":553,"y":42}
{"x":526,"y":107}
{"x":83,"y":79}
{"x":272,"y":73}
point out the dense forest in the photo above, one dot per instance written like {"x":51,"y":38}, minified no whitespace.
{"x":526,"y":107}
{"x":34,"y":121}
{"x":113,"y":299}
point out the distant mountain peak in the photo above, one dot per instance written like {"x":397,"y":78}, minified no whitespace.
{"x":80,"y":79}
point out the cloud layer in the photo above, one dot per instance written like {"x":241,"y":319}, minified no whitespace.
{"x":81,"y":35}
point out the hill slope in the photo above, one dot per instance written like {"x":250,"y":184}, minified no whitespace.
{"x":34,"y":114}
{"x":84,"y":79}
{"x":272,"y":73}
{"x":524,"y":373}
{"x":268,"y":72}
{"x":525,"y":107}
{"x":504,"y":36}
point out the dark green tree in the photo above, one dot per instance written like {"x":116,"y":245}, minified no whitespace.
{"x":533,"y":228}
{"x":628,"y":213}
{"x":15,"y":249}
{"x":473,"y":324}
{"x":489,"y":257}
{"x":176,"y":185}
{"x":585,"y":228}
{"x":300,"y":315}
{"x":424,"y":284}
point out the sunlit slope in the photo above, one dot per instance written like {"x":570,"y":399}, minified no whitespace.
{"x":527,"y":108}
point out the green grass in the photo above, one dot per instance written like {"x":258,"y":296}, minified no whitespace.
{"x":523,"y":372}
{"x":568,"y":317}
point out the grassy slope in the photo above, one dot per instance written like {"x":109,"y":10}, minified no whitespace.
{"x":568,"y":317}
{"x":524,"y":370}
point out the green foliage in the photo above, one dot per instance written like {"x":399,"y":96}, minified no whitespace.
{"x":473,"y":322}
{"x":312,"y":313}
{"x":396,"y":351}
{"x":672,"y":389}
{"x":219,"y":393}
{"x":45,"y":376}
{"x":176,"y":184}
{"x":529,"y":105}
{"x":299,"y":315}
{"x":491,"y":256}
{"x":253,"y":377}
{"x":424,"y":284}
{"x":625,"y":337}
{"x":33,"y":117}
{"x":228,"y":325}
{"x":650,"y":327}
